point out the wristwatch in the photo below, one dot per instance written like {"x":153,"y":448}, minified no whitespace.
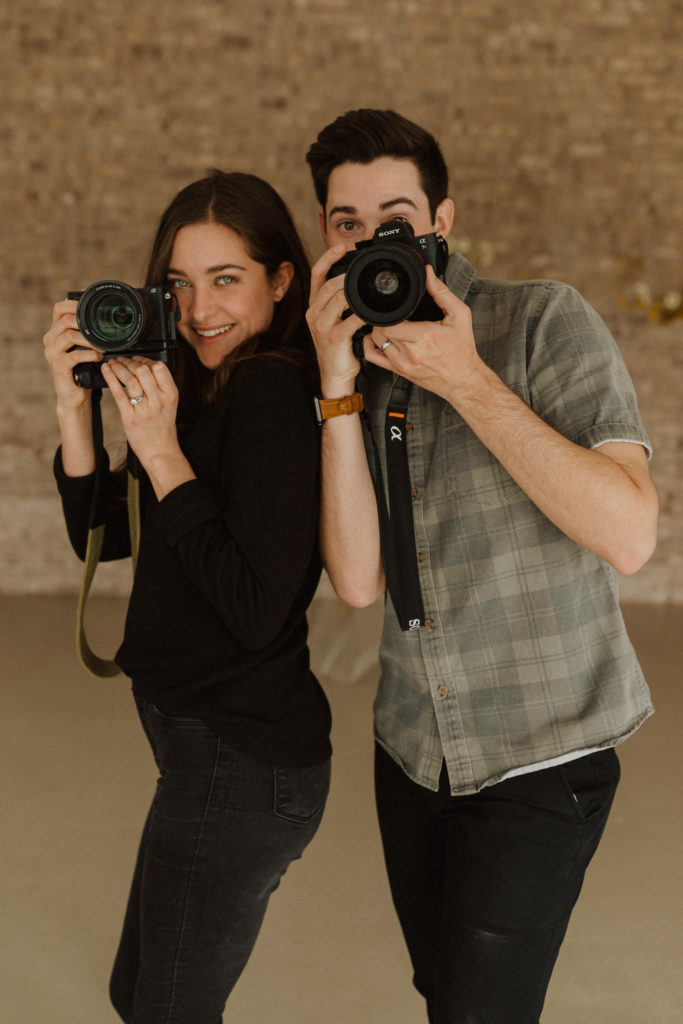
{"x":326,"y":408}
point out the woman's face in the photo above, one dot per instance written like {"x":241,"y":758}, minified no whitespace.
{"x":224,"y":296}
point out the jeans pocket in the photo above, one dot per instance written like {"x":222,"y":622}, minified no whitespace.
{"x":591,"y":782}
{"x":180,"y":721}
{"x":300,"y":793}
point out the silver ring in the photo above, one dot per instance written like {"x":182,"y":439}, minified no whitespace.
{"x":138,"y":398}
{"x":386,"y":345}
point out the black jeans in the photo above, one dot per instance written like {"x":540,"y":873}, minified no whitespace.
{"x":221,"y":832}
{"x":484,"y":885}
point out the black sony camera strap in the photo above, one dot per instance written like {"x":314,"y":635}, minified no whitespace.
{"x":397,"y":527}
{"x":401,"y":525}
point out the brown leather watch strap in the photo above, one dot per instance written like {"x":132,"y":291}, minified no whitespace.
{"x":326,"y":408}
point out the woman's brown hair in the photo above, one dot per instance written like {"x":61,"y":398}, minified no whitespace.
{"x":253,"y":209}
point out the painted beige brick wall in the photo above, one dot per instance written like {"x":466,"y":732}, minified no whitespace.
{"x":561,"y":123}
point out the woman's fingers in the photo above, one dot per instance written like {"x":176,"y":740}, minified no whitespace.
{"x":131,"y":380}
{"x":123,"y":371}
{"x":152,"y":373}
{"x":64,"y":348}
{"x":147,"y":400}
{"x":116,"y":376}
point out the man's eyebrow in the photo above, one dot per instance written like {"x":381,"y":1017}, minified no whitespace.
{"x":383,"y":206}
{"x":342,"y":209}
{"x":396,"y":202}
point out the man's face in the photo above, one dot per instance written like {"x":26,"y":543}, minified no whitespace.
{"x":360,"y":197}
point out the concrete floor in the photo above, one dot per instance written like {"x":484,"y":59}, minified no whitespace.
{"x":76,"y":778}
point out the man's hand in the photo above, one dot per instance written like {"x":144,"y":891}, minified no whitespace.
{"x":439,"y":356}
{"x":603,"y":499}
{"x":332,"y":335}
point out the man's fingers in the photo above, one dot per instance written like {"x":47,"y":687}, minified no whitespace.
{"x":377,"y":350}
{"x":450,"y":305}
{"x":321,"y":269}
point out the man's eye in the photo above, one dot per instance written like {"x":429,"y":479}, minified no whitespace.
{"x":346,"y":225}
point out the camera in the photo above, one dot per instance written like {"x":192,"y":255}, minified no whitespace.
{"x":117,"y":318}
{"x":386,"y":279}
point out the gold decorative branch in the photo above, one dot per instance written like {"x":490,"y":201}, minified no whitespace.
{"x":661,"y":309}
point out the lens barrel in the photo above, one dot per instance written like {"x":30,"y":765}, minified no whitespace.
{"x":384,"y":284}
{"x":112,"y":315}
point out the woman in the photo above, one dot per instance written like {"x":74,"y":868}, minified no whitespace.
{"x":215,"y":636}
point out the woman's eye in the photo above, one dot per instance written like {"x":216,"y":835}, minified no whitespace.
{"x":178,"y":282}
{"x":226,"y":279}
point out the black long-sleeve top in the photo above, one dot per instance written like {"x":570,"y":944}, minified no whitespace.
{"x":228,"y":563}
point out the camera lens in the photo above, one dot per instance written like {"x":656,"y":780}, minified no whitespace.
{"x":111,"y":315}
{"x":112,"y":319}
{"x":385,"y":284}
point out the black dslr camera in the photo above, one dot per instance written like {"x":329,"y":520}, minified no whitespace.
{"x":116,"y":318}
{"x":386,"y":279}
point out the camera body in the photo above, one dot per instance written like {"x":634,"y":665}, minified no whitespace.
{"x":386,"y":278}
{"x":119,"y":319}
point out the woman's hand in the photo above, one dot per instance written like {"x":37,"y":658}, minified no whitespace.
{"x":62,"y":356}
{"x":147,"y":399}
{"x":73,"y":402}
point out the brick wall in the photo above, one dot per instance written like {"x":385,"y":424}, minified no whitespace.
{"x":561,"y":124}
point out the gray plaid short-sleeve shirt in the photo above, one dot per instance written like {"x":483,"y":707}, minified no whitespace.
{"x":525,"y":657}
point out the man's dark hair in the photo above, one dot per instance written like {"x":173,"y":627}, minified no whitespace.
{"x":361,"y":136}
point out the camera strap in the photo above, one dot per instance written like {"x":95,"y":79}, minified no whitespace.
{"x":397,"y":527}
{"x":103,"y":668}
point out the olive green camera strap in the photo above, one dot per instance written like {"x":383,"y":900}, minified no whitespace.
{"x":103,"y":668}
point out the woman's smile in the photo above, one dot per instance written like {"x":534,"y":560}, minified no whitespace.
{"x":213,"y":332}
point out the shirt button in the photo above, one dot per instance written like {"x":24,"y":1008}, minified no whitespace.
{"x":443,"y":690}
{"x":420,"y":556}
{"x":414,"y":491}
{"x":429,"y":624}
{"x":409,"y":428}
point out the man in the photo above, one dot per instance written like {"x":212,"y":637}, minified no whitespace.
{"x":496,"y":721}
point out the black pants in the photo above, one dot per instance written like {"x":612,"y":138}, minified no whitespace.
{"x":222,"y":830}
{"x":484,"y":885}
